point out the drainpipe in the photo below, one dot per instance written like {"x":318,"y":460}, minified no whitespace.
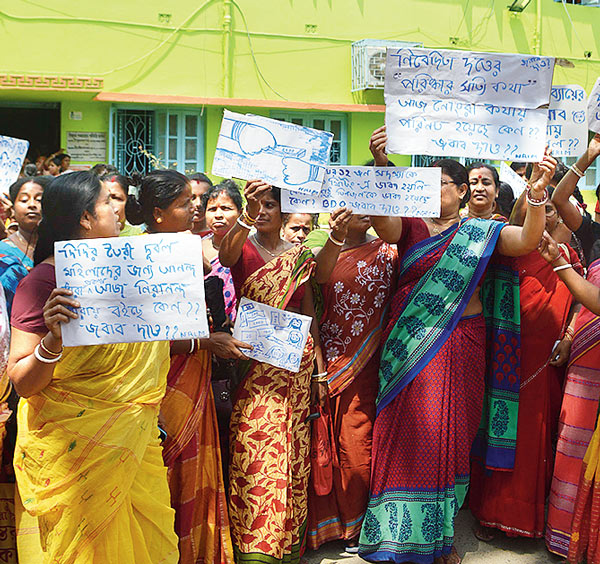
{"x":226,"y":48}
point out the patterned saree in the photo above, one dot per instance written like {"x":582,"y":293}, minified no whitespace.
{"x":270,"y":438}
{"x":431,"y":393}
{"x":356,"y":301}
{"x":576,"y":425}
{"x":193,"y":458}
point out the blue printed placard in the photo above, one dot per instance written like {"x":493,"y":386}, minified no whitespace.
{"x":593,"y":109}
{"x":278,"y":336}
{"x":12,"y":155}
{"x":567,"y":122}
{"x":283,"y":154}
{"x":133,"y":289}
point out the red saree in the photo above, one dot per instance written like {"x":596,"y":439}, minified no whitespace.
{"x":356,"y":299}
{"x":192,"y":455}
{"x":576,"y":425}
{"x":514,"y":502}
{"x":270,"y":437}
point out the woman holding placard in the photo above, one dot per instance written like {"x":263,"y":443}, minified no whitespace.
{"x":431,"y":387}
{"x":88,"y":459}
{"x":270,"y":435}
{"x":484,"y":185}
{"x":191,"y":449}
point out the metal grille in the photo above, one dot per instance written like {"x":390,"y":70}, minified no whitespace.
{"x":133,"y":135}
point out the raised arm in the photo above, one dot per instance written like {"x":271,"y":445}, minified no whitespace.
{"x":388,"y":228}
{"x":33,"y":356}
{"x":583,"y":291}
{"x":326,"y":257}
{"x":232,"y":244}
{"x":516,"y":241}
{"x":569,"y":213}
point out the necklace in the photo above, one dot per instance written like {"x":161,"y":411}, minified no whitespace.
{"x":263,"y":248}
{"x":436,"y":225}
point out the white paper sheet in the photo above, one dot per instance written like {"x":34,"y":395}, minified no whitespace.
{"x":502,"y":79}
{"x":567,"y":124}
{"x":389,"y":191}
{"x":283,"y":154}
{"x":278,"y":336}
{"x":416,"y":126}
{"x":593,"y":109}
{"x":12,"y":155}
{"x":509,"y":176}
{"x":133,"y":289}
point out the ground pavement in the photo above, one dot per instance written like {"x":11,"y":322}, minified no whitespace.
{"x":500,"y":551}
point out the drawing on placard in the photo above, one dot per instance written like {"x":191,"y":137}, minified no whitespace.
{"x":283,"y":154}
{"x":12,"y":155}
{"x":278,"y":337}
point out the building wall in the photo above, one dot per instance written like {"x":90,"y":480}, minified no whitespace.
{"x":276,"y":52}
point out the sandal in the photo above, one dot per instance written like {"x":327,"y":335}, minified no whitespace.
{"x":483,"y":533}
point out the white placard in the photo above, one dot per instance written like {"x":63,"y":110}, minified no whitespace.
{"x":283,"y":154}
{"x":86,"y":146}
{"x":593,"y":109}
{"x":12,"y":155}
{"x":416,"y":126}
{"x":278,"y":336}
{"x":509,"y":176}
{"x":390,"y":191}
{"x":132,"y":289}
{"x":567,"y":124}
{"x":502,"y":79}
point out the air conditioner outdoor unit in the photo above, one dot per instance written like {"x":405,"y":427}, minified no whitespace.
{"x":368,"y":61}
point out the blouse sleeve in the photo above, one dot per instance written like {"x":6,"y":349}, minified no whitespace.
{"x":31,"y":295}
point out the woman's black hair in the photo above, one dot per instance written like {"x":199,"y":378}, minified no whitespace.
{"x":492,"y":169}
{"x":227,"y":187}
{"x":276,"y":194}
{"x":506,"y":199}
{"x":200,"y":177}
{"x":65,"y":199}
{"x":158,"y":189}
{"x":123,"y":181}
{"x":15,"y":188}
{"x":458,"y":173}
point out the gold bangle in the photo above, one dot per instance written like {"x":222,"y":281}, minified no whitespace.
{"x":48,"y":351}
{"x":577,"y":171}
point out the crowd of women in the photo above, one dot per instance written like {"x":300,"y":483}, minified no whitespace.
{"x":451,"y":362}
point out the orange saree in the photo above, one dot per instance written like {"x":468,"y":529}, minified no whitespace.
{"x":192,"y":455}
{"x":270,"y":437}
{"x":355,"y":299}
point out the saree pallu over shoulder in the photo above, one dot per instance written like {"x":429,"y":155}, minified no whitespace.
{"x":356,"y":306}
{"x":88,"y":461}
{"x":436,"y":302}
{"x":192,"y":455}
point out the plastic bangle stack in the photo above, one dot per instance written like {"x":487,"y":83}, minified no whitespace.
{"x":319,"y":378}
{"x":576,"y":171}
{"x":194,"y":346}
{"x":569,"y":334}
{"x":37,"y":354}
{"x":535,"y":202}
{"x":335,"y":241}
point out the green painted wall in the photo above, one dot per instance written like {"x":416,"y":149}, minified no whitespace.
{"x":295,"y":50}
{"x":95,"y":117}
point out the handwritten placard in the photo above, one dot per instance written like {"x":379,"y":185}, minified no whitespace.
{"x":593,"y":109}
{"x":467,"y":104}
{"x":567,"y":124}
{"x":12,"y":155}
{"x":509,"y":176}
{"x":391,"y":191}
{"x":278,"y":336}
{"x":287,"y":155}
{"x":86,"y":146}
{"x":132,"y":289}
{"x":467,"y":76}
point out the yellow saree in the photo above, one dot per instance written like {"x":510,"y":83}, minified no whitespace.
{"x":88,"y":460}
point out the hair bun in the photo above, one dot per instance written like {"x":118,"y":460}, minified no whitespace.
{"x":133,"y":210}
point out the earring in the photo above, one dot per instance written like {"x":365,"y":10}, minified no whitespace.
{"x":159,"y":220}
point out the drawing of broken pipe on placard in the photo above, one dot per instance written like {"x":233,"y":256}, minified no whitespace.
{"x":284,"y":154}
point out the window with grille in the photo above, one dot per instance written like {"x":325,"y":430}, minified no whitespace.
{"x":132,"y":140}
{"x":335,"y":123}
{"x":179,"y":140}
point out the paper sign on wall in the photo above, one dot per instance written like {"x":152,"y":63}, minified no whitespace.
{"x":287,"y":155}
{"x":465,"y":104}
{"x":12,"y":155}
{"x":132,"y":289}
{"x":593,"y":109}
{"x":389,"y":191}
{"x":278,"y":336}
{"x":509,"y":176}
{"x":567,"y":123}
